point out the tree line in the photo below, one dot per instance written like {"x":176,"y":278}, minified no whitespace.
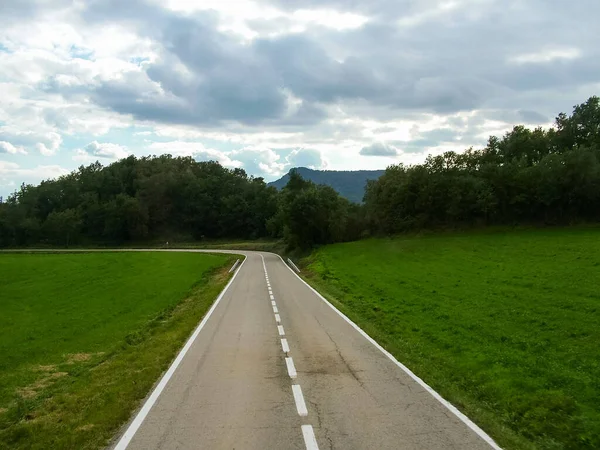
{"x":527,"y":176}
{"x":139,"y":199}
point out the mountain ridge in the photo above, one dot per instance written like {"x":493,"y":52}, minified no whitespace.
{"x":348,"y":183}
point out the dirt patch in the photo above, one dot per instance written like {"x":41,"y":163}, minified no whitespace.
{"x":26,"y":392}
{"x":46,"y":368}
{"x":56,"y":375}
{"x":223,"y":274}
{"x":3,"y":410}
{"x":78,"y":357}
{"x":33,"y":389}
{"x":81,"y":357}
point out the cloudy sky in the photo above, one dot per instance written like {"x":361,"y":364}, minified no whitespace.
{"x":268,"y":85}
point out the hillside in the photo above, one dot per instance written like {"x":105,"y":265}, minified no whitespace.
{"x":349,"y":183}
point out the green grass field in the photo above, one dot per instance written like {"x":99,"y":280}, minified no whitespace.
{"x":505,"y":325}
{"x":83,"y":337}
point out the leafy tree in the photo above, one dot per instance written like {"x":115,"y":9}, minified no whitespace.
{"x":527,"y":176}
{"x":63,"y":227}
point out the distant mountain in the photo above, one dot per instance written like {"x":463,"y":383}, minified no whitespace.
{"x":348,"y":183}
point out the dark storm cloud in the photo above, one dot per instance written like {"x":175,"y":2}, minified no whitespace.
{"x":532,"y":117}
{"x":410,"y":57}
{"x":17,"y":10}
{"x":222,"y":79}
{"x":378,"y":149}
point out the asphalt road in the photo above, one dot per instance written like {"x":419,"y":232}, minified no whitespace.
{"x":275,"y":367}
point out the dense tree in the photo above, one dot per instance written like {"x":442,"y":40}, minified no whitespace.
{"x":137,"y":199}
{"x":527,"y":176}
{"x":62,"y":227}
{"x":312,"y":214}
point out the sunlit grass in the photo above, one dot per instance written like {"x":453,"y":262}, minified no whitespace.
{"x":504,"y":325}
{"x":83,"y":337}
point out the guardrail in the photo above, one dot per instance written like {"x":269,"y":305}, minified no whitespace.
{"x":235,"y":264}
{"x":293,"y":265}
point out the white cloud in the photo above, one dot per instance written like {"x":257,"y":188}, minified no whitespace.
{"x":12,"y":175}
{"x":17,"y":140}
{"x":103,"y":150}
{"x":194,"y":149}
{"x":329,"y":18}
{"x":306,"y":157}
{"x":41,"y":171}
{"x":261,"y":161}
{"x":7,"y":147}
{"x":546,"y":56}
{"x":276,"y":83}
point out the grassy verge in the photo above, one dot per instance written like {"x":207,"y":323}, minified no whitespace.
{"x":267,"y":245}
{"x":504,"y":325}
{"x":83,"y":337}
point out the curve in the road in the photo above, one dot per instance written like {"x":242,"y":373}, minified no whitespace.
{"x":231,"y":386}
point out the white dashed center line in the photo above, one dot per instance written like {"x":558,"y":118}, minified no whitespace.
{"x":310,"y":441}
{"x":289,"y":362}
{"x":299,"y":399}
{"x":309,"y":437}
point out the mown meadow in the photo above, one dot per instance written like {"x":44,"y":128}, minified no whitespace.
{"x":84,"y":336}
{"x":505,"y":325}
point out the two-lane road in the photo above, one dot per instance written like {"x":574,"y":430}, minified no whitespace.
{"x":276,"y":367}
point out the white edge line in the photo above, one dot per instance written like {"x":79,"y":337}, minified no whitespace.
{"x":280,"y":329}
{"x":275,"y":310}
{"x":273,"y":303}
{"x":141,"y":415}
{"x":271,"y":297}
{"x":285,"y":346}
{"x":472,"y":425}
{"x":299,"y":399}
{"x":309,"y":437}
{"x":289,"y":362}
{"x":277,"y":318}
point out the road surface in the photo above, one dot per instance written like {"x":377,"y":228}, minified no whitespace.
{"x":273,"y":366}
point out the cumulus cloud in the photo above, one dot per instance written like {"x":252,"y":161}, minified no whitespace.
{"x":379,"y":149}
{"x":319,"y":79}
{"x":15,"y":140}
{"x":194,"y":149}
{"x":13,"y":174}
{"x":260,"y":161}
{"x":104,"y":150}
{"x":41,"y":171}
{"x":306,"y":157}
{"x":7,"y":147}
